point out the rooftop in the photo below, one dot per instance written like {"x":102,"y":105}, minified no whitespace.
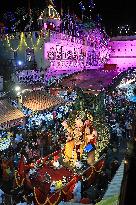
{"x":8,"y":112}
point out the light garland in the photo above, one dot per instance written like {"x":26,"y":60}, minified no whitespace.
{"x":23,"y":41}
{"x":104,"y":136}
{"x":37,"y":43}
{"x":20,"y":43}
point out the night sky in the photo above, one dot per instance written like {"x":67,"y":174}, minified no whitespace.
{"x":113,"y":12}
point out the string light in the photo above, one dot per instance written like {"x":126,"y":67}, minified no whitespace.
{"x":8,"y":42}
{"x":37,"y":43}
{"x":23,"y":42}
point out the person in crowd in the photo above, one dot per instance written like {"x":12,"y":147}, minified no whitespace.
{"x":128,"y":128}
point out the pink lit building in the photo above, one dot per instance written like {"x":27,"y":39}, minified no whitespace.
{"x":57,"y":50}
{"x":54,"y":49}
{"x":67,"y":51}
{"x":68,"y":54}
{"x":123,"y":52}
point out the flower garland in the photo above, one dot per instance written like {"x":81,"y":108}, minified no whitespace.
{"x":94,"y":169}
{"x":86,"y":179}
{"x":47,"y":200}
{"x":16,"y":179}
{"x":99,"y":169}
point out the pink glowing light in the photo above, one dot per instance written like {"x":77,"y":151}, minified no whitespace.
{"x":123,"y":54}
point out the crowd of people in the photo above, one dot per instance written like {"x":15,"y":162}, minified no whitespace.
{"x":29,"y":77}
{"x":40,"y":136}
{"x":43,"y":133}
{"x":119,"y":115}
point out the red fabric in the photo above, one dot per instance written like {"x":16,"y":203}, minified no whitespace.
{"x":40,"y":196}
{"x":21,"y":167}
{"x":99,"y":165}
{"x":55,"y":176}
{"x":55,"y":198}
{"x":85,"y":201}
{"x":4,"y":167}
{"x":68,"y":189}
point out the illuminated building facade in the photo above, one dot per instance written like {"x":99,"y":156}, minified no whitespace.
{"x":55,"y":49}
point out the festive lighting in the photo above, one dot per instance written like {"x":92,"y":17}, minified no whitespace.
{"x":20,"y":63}
{"x":82,"y":7}
{"x":23,"y":42}
{"x":17,"y":88}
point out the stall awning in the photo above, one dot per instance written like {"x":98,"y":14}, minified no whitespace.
{"x":39,"y":100}
{"x":9,"y":113}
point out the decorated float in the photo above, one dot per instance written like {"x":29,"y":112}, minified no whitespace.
{"x":60,"y":175}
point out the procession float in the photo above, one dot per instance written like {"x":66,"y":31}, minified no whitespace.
{"x":61,"y":175}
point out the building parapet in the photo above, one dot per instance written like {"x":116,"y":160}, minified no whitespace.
{"x":123,"y":38}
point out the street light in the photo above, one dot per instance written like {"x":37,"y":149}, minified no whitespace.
{"x":20,"y":63}
{"x":17,"y":88}
{"x":18,"y":93}
{"x":19,"y":96}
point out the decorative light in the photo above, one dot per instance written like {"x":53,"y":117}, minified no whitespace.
{"x":19,"y":62}
{"x":17,"y":88}
{"x":18,"y":93}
